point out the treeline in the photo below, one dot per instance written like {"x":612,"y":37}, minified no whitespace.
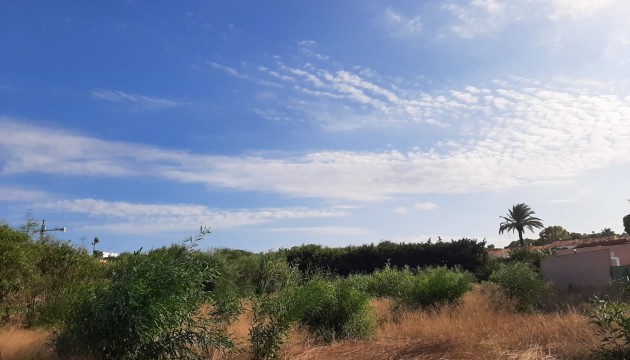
{"x":466,"y":254}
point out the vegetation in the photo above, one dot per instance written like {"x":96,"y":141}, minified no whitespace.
{"x":467,"y":254}
{"x":436,"y":287}
{"x":333,"y":311}
{"x":179,"y":302}
{"x":36,"y":274}
{"x":613,"y":323}
{"x":607,"y":232}
{"x":626,"y":224}
{"x":525,"y":255}
{"x":553,"y":233}
{"x":520,"y":282}
{"x":518,"y":219}
{"x":148,"y":308}
{"x":275,"y":307}
{"x":470,"y":330}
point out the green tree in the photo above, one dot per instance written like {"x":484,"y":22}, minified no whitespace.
{"x":606,"y":232}
{"x":519,"y":218}
{"x":626,"y":224}
{"x":553,"y":233}
{"x":518,"y":244}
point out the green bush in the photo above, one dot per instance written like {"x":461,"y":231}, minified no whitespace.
{"x":613,"y":324}
{"x":275,"y":307}
{"x":436,"y":286}
{"x":389,"y":282}
{"x":331,"y":311}
{"x":521,"y":282}
{"x":359,"y":282}
{"x":149,"y":309}
{"x":17,"y":271}
{"x":60,"y":267}
{"x":36,"y":275}
{"x":525,"y":255}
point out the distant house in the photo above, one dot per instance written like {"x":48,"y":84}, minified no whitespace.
{"x":590,"y":263}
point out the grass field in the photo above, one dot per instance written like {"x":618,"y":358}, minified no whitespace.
{"x":473,"y":330}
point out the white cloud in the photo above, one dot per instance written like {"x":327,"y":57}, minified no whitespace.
{"x":401,"y":26}
{"x":425,"y":206}
{"x":133,"y":218}
{"x":400,"y":210}
{"x":324,"y":230}
{"x":518,"y":132}
{"x":579,"y":9}
{"x":16,"y":194}
{"x":478,"y":17}
{"x":139,"y":100}
{"x":228,"y":70}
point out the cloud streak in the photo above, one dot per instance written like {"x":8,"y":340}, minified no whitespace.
{"x":401,"y":26}
{"x":134,"y":218}
{"x":146,"y":102}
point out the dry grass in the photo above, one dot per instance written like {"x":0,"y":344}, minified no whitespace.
{"x":473,"y":330}
{"x":20,"y":344}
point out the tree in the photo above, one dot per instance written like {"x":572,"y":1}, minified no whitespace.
{"x":518,"y":244}
{"x":94,"y":242}
{"x":606,"y":232}
{"x":553,"y":233}
{"x":519,"y":218}
{"x":626,"y":224}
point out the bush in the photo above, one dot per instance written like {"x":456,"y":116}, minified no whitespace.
{"x":35,"y":276}
{"x":149,"y":309}
{"x":613,"y":323}
{"x":61,"y":266}
{"x":275,"y":307}
{"x":521,"y":282}
{"x":525,"y":255}
{"x":333,"y":311}
{"x":435,"y":287}
{"x":389,"y":282}
{"x":17,"y":271}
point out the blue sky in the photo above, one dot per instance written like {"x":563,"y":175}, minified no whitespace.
{"x":331,"y":122}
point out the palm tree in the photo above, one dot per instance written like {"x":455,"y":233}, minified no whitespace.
{"x":518,"y":219}
{"x":94,"y":242}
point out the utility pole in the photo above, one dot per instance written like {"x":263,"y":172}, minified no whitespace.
{"x":43,"y":229}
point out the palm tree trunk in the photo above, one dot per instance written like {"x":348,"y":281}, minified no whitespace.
{"x":520,"y":238}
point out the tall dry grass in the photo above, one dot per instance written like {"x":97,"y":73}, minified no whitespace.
{"x":476,"y":329}
{"x":20,"y":344}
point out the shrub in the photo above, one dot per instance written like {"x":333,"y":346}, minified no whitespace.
{"x":359,"y":282}
{"x":389,"y":282}
{"x":275,"y":307}
{"x":149,"y":309}
{"x":613,"y":323}
{"x":333,"y":311}
{"x":521,"y":282}
{"x":35,"y":276}
{"x":17,"y":271}
{"x":525,"y":255}
{"x":60,"y":267}
{"x":436,"y":286}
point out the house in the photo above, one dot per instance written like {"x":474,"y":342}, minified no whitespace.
{"x":589,"y":266}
